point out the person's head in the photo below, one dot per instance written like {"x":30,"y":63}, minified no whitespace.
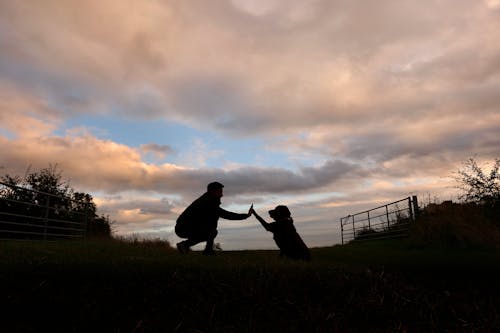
{"x":215,"y":189}
{"x":280,"y":212}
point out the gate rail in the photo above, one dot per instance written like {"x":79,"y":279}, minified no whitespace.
{"x":387,"y":221}
{"x":29,"y":214}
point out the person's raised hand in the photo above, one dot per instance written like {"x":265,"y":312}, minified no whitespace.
{"x":251,"y":211}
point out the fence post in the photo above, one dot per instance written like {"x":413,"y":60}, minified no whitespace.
{"x":353,"y":229}
{"x":387,"y":214}
{"x":342,"y":230}
{"x":415,"y":207}
{"x":369,"y":226}
{"x":412,"y":216}
{"x":46,"y":218}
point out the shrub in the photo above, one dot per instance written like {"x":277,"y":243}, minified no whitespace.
{"x":461,"y":225}
{"x":365,"y":233}
{"x":477,"y":185}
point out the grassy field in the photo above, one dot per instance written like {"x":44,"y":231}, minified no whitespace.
{"x":384,"y":286}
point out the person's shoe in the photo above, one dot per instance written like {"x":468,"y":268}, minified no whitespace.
{"x":183,"y":249}
{"x":208,"y":252}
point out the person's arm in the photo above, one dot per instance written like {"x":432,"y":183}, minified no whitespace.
{"x":232,"y":216}
{"x":266,"y":225}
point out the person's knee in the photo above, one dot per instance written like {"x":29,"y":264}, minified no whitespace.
{"x":181,"y":232}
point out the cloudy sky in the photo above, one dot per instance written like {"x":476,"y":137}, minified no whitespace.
{"x":328,"y":107}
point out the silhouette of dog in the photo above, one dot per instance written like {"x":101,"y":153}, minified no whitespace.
{"x":285,"y":235}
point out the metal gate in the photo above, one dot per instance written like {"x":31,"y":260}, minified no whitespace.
{"x":387,"y":221}
{"x":29,"y":214}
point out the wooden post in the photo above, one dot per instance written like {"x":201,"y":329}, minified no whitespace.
{"x":415,"y":207}
{"x":387,"y":214}
{"x":342,"y":230}
{"x":410,"y":210}
{"x":353,"y":229}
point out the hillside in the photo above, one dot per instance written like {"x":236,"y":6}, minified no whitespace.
{"x":376,"y":286}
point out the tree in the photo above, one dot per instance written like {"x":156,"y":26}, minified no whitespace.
{"x":477,"y":185}
{"x":45,"y":194}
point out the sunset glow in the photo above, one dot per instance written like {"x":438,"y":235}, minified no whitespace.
{"x":328,"y":107}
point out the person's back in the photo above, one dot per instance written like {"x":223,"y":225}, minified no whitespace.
{"x":198,"y":222}
{"x":200,"y":215}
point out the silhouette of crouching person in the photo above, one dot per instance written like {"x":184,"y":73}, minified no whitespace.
{"x":198,"y":222}
{"x":285,"y":235}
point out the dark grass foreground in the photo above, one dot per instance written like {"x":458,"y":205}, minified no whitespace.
{"x":371,"y":287}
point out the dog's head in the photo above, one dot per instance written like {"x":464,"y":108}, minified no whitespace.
{"x":280,"y":212}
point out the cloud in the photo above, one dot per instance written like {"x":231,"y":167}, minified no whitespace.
{"x":365,"y":99}
{"x":134,"y":211}
{"x":159,"y":151}
{"x":104,"y":165}
{"x":239,"y":68}
{"x":24,"y":115}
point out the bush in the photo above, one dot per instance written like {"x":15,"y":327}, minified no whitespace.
{"x":477,"y":185}
{"x":365,"y":233}
{"x":462,"y":225}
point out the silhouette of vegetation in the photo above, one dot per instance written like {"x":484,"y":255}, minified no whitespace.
{"x":446,"y":224}
{"x":397,"y":228}
{"x":381,"y":286}
{"x":143,"y":243}
{"x":402,"y":222}
{"x":443,"y":278}
{"x":477,"y":185}
{"x":365,"y":233}
{"x":457,"y":225}
{"x":481,"y":188}
{"x":43,"y":201}
{"x":474,"y":222}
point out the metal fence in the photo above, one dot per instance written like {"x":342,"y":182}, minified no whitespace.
{"x":31,"y":215}
{"x":387,"y":221}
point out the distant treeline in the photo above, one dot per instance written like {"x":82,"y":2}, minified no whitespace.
{"x":42,"y":205}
